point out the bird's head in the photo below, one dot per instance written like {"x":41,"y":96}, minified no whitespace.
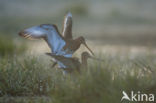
{"x":36,"y":32}
{"x":86,"y":55}
{"x":82,"y":41}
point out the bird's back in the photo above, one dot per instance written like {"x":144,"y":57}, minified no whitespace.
{"x":72,"y":63}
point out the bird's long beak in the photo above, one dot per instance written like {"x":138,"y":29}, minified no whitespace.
{"x":88,"y":48}
{"x":96,"y":58}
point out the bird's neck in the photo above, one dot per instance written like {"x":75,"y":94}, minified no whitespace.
{"x":84,"y":61}
{"x":77,"y":42}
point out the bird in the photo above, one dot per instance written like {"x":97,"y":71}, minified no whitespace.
{"x":63,"y":44}
{"x":74,"y":44}
{"x":67,"y":26}
{"x":73,"y":63}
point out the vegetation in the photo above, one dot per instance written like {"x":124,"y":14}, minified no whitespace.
{"x":102,"y":82}
{"x":29,"y":79}
{"x":9,"y":47}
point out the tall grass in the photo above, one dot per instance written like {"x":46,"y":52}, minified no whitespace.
{"x":100,"y":83}
{"x":9,"y":47}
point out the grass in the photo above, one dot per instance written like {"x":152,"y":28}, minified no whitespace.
{"x":21,"y":78}
{"x":9,"y":47}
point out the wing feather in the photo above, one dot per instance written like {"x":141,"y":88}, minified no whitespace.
{"x":67,"y":26}
{"x":50,"y":33}
{"x":57,"y":42}
{"x":65,"y":62}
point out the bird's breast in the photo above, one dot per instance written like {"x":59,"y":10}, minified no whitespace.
{"x":71,"y":46}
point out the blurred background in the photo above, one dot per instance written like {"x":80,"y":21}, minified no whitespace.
{"x":121,"y":32}
{"x":102,"y":22}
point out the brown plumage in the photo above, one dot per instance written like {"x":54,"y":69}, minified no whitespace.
{"x":46,"y":31}
{"x":67,"y":26}
{"x":62,"y":45}
{"x":73,"y":63}
{"x":72,"y":44}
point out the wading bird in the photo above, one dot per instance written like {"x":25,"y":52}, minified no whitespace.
{"x":71,"y":64}
{"x":63,"y":44}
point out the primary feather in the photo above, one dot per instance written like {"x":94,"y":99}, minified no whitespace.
{"x":67,"y":26}
{"x":51,"y":35}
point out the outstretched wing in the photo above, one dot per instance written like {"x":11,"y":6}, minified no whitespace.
{"x":52,"y":36}
{"x":67,"y":26}
{"x":54,"y":39}
{"x":35,"y":32}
